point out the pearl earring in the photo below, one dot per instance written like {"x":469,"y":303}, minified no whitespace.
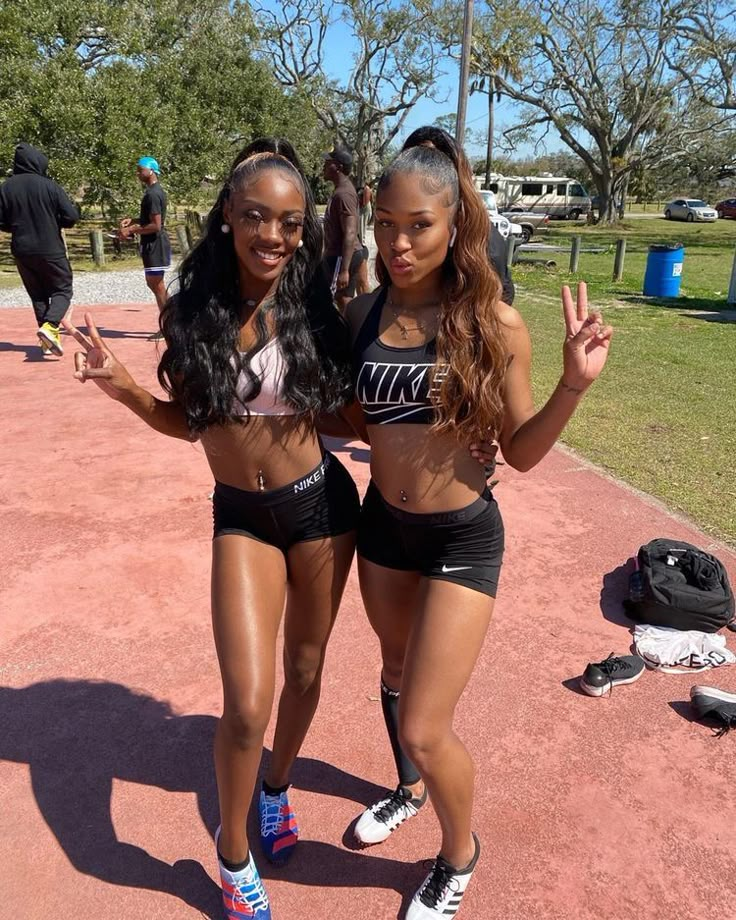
{"x":300,"y":244}
{"x":225,"y":228}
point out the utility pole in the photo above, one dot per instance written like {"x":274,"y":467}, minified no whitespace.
{"x":462,"y":95}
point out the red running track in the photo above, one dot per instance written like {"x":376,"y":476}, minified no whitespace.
{"x":620,"y":807}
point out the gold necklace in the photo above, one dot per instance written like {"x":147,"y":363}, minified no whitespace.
{"x":420,"y":325}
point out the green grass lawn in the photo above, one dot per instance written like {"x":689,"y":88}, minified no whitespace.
{"x":709,"y":253}
{"x":663,"y":416}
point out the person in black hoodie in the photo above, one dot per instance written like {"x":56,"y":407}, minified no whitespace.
{"x":34,"y":208}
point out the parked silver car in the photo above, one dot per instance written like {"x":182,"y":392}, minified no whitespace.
{"x":690,"y":209}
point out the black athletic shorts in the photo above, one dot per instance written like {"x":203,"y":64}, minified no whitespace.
{"x":463,"y":546}
{"x":156,"y":254}
{"x":324,"y":503}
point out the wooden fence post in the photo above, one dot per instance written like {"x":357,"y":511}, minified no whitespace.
{"x":98,"y":247}
{"x":575,"y":254}
{"x":510,"y":246}
{"x":181,"y":235}
{"x":732,"y":285}
{"x":618,"y":262}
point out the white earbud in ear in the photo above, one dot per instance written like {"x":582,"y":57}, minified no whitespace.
{"x":453,"y":237}
{"x":225,"y":228}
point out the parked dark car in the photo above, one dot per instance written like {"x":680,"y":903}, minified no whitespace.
{"x":727,"y":208}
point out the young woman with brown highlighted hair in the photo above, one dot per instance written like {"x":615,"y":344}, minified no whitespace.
{"x":441,"y":363}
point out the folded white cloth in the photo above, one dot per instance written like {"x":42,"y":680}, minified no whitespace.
{"x":679,"y":651}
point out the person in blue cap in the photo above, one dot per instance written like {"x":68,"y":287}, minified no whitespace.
{"x":155,"y":244}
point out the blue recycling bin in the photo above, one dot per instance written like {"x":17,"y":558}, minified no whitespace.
{"x":664,"y":270}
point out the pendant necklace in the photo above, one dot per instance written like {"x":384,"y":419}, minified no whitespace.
{"x":420,"y":324}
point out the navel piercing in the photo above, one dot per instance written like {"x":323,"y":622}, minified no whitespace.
{"x":404,"y":496}
{"x":261,"y":482}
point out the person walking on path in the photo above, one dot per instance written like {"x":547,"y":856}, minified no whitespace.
{"x":365,"y":198}
{"x":34,"y":209}
{"x":343,"y":252}
{"x":440,"y":363}
{"x":155,"y":243}
{"x":255,"y":351}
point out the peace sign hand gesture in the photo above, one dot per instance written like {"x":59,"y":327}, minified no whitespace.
{"x":587,"y":341}
{"x":98,"y":363}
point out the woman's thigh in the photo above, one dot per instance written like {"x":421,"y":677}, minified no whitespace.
{"x":248,"y":591}
{"x":390,"y":598}
{"x":446,"y":639}
{"x":317,"y":572}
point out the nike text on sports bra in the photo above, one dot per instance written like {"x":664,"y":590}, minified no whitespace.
{"x":267,"y":363}
{"x":393,"y":384}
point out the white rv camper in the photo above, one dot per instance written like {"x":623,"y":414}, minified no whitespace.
{"x":558,"y":196}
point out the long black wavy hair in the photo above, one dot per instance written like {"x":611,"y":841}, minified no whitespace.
{"x":201,"y":322}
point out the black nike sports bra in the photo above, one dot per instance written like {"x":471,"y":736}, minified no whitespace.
{"x":393,"y":384}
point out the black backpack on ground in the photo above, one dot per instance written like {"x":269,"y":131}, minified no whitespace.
{"x":680,"y":586}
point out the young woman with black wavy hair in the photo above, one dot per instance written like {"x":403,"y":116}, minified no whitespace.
{"x":440,"y":363}
{"x":255,"y":351}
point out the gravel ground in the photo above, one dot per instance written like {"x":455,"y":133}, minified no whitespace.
{"x":127,"y":286}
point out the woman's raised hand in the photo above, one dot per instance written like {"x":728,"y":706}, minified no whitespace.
{"x":98,"y":363}
{"x":587,"y":341}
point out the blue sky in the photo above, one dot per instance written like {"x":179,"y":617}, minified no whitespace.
{"x":426,"y":111}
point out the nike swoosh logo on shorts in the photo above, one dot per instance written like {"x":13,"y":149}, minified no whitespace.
{"x":454,"y":568}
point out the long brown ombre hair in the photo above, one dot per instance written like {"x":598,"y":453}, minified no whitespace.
{"x":471,"y":351}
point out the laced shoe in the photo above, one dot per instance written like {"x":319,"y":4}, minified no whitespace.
{"x":603,"y":676}
{"x":279,"y":830}
{"x":441,"y":892}
{"x":243,"y":894}
{"x":48,"y":334}
{"x":712,"y":703}
{"x":378,"y":822}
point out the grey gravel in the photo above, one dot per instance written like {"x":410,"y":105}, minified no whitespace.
{"x":127,"y":286}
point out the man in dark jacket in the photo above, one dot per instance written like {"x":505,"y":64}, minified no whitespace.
{"x":34,"y":208}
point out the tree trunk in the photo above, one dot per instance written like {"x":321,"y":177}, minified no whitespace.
{"x":606,"y":206}
{"x":491,"y":128}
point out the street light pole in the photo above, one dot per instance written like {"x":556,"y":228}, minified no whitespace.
{"x":462,"y":95}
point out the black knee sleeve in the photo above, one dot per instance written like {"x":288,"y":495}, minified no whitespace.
{"x":408,"y":773}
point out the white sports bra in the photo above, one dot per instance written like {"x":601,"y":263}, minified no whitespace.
{"x":268,"y":363}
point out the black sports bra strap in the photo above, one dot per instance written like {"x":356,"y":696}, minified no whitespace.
{"x":368,"y":332}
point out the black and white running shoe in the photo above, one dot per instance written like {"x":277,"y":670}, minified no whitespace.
{"x":441,"y":892}
{"x":602,"y":676}
{"x":719,"y":705}
{"x":378,"y":822}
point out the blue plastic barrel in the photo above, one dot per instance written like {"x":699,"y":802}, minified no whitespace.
{"x":664,"y":270}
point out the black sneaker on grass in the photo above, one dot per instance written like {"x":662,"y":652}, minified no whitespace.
{"x":601,"y":677}
{"x":712,"y":703}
